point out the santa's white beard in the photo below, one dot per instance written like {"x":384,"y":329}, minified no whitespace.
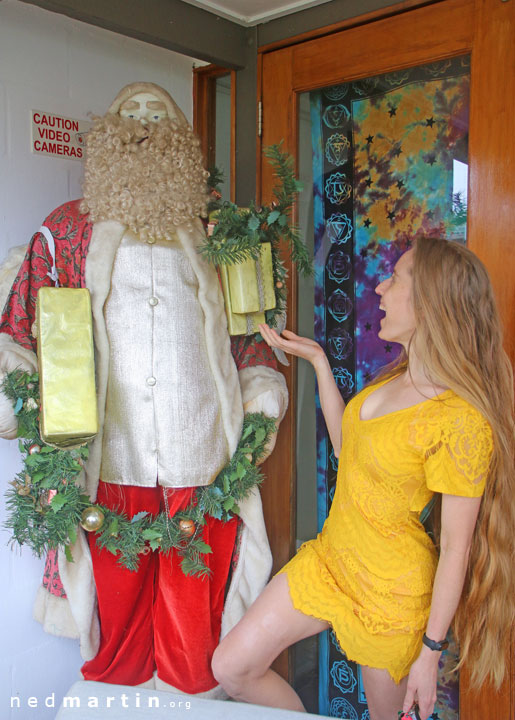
{"x":148,"y":178}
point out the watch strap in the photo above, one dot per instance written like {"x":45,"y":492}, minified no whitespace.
{"x":433,"y":644}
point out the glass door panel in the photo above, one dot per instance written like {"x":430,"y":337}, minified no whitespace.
{"x":388,"y":164}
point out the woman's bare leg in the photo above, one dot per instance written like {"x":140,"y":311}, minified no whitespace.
{"x":242,"y":661}
{"x":384,"y":696}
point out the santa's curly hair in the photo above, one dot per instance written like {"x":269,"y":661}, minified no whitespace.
{"x":150,"y":178}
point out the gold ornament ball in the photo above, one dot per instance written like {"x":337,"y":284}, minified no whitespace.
{"x":187,"y":527}
{"x":92,"y":519}
{"x":278,"y":284}
{"x":34,"y":449}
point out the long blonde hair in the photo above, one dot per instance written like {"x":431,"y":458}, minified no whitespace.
{"x":459,"y":337}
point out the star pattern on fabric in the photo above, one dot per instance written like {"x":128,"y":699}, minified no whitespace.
{"x":368,"y":326}
{"x":430,"y":159}
{"x":367,"y":223}
{"x":397,"y":151}
{"x":388,"y":348}
{"x":363,"y":252}
{"x":400,"y":184}
{"x":392,"y":111}
{"x":430,"y":122}
{"x":370,"y":139}
{"x":391,"y":215}
{"x":368,"y":182}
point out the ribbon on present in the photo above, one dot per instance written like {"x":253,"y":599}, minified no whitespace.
{"x":248,"y":289}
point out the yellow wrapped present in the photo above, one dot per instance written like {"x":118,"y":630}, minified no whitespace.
{"x":248,"y":289}
{"x":66,"y":366}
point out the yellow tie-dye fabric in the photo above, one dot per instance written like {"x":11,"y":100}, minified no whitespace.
{"x":370,"y":572}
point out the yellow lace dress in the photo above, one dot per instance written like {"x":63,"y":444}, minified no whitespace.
{"x":370,"y":572}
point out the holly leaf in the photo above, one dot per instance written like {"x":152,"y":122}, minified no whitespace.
{"x":253,"y":223}
{"x":18,"y":406}
{"x":260,"y":435}
{"x":68,"y":552}
{"x":203,"y":547}
{"x":139,"y":516}
{"x":151,"y":533}
{"x":228,"y":504}
{"x":272,"y":217}
{"x":72,"y":534}
{"x":216,"y":513}
{"x":58,"y":501}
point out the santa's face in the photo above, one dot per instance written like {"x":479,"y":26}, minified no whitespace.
{"x":145,"y":107}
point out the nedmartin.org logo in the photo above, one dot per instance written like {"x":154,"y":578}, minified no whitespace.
{"x":135,"y":700}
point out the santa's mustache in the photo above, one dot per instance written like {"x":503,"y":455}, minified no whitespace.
{"x":131,"y":134}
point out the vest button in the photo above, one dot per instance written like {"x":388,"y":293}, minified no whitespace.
{"x":151,"y":381}
{"x":153,"y":300}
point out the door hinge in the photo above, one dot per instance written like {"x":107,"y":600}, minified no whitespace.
{"x":260,"y":118}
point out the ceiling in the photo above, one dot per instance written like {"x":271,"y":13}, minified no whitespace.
{"x":253,"y":12}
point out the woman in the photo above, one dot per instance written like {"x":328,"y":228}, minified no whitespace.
{"x":440,"y":420}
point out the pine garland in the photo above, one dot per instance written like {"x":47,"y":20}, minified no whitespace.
{"x":45,"y":504}
{"x":238,"y":233}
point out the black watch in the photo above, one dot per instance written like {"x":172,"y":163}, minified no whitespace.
{"x":433,"y":645}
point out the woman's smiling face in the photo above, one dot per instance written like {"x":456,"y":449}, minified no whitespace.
{"x":398,"y":324}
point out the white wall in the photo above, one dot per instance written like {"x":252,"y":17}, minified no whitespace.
{"x":49,"y":62}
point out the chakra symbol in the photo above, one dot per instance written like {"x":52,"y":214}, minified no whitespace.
{"x":344,"y":380}
{"x":335,"y":116}
{"x":339,"y":228}
{"x":339,"y":305}
{"x":339,"y":266}
{"x":343,"y":676}
{"x":337,"y":188}
{"x":341,"y":708}
{"x":336,"y":92}
{"x":339,"y":343}
{"x":337,"y":149}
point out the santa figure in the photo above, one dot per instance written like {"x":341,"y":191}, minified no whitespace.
{"x":172,"y":391}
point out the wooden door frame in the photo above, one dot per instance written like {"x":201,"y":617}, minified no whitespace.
{"x":204,"y":116}
{"x":485,"y":29}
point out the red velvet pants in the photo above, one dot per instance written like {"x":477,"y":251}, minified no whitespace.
{"x":157,"y":618}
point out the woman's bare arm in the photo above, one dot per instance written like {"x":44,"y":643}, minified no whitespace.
{"x":459,"y":516}
{"x":330,"y":399}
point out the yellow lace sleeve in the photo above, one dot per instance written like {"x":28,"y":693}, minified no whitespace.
{"x":457,"y":461}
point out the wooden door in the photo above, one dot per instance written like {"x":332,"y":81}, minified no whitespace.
{"x":371,"y":46}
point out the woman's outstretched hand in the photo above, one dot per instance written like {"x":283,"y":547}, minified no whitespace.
{"x":330,"y":398}
{"x":293,"y":344}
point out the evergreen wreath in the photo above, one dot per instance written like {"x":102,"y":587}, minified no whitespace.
{"x":46,"y":505}
{"x":239,"y":232}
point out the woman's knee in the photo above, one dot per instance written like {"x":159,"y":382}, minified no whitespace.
{"x":230,"y":668}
